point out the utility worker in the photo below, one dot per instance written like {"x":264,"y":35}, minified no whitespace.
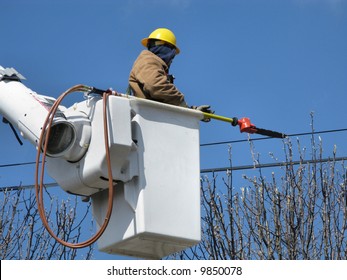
{"x":150,"y":78}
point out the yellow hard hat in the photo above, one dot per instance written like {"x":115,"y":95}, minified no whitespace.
{"x":162,"y":34}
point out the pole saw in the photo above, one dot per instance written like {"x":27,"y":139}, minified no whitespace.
{"x":246,"y":125}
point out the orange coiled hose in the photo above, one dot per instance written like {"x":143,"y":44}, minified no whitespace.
{"x":43,"y":141}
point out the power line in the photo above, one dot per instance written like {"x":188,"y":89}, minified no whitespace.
{"x":266,"y":138}
{"x":17,"y":164}
{"x":210,"y":170}
{"x":219,"y":143}
{"x":20,"y":187}
{"x":266,"y":165}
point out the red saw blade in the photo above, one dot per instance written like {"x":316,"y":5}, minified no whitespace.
{"x":270,"y":133}
{"x":246,"y":126}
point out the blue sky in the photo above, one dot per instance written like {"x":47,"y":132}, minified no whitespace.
{"x":272,"y":61}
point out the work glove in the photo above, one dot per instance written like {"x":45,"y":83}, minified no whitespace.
{"x":205,"y":109}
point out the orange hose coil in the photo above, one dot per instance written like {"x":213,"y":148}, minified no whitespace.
{"x":39,"y":183}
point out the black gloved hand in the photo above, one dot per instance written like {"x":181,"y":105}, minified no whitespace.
{"x":205,"y":109}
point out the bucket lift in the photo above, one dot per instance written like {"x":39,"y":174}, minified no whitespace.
{"x":155,"y":162}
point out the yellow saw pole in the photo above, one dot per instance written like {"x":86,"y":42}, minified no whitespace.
{"x":221,"y":118}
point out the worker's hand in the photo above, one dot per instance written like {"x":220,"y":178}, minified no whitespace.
{"x":205,"y":109}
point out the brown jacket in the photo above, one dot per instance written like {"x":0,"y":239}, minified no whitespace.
{"x":148,"y":79}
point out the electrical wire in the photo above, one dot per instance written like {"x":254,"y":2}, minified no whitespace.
{"x":17,"y":164}
{"x":217,"y":143}
{"x":43,"y":142}
{"x":211,"y":170}
{"x":24,"y":187}
{"x":266,"y":165}
{"x":267,"y":138}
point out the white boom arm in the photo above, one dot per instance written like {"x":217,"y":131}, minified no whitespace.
{"x":26,"y":110}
